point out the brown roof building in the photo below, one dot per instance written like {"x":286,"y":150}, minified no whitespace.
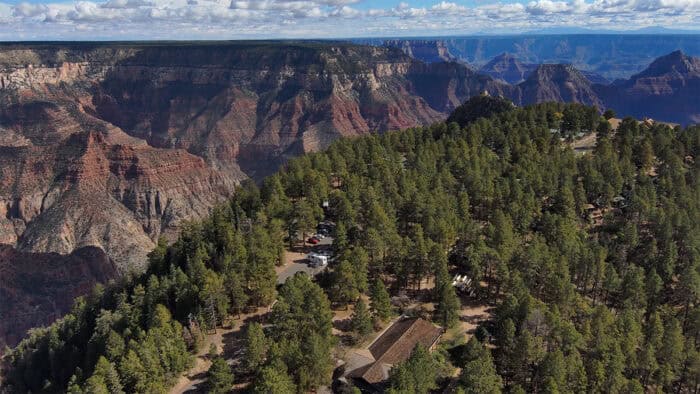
{"x":392,"y":347}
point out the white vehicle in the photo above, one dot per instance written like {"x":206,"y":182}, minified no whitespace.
{"x":317,"y":260}
{"x":462,"y":282}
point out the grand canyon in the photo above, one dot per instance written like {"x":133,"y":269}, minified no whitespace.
{"x":107,"y":147}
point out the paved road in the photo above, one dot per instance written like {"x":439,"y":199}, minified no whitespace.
{"x":302,"y":265}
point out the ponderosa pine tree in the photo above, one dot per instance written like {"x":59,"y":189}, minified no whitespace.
{"x":418,"y":374}
{"x":219,"y":377}
{"x":380,"y":301}
{"x":448,"y":306}
{"x":479,"y":373}
{"x":274,"y":379}
{"x":361,"y":321}
{"x":303,"y":332}
{"x":345,"y":287}
{"x":255,"y":347}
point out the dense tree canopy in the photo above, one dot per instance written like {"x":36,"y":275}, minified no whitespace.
{"x":483,"y":106}
{"x":592,"y":260}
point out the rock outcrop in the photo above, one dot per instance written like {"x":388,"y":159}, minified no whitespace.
{"x":428,"y":51}
{"x":669,"y":90}
{"x":507,"y":68}
{"x":85,"y":191}
{"x":37,"y":288}
{"x":558,"y":82}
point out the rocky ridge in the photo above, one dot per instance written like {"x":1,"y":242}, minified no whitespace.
{"x":428,"y":51}
{"x":508,"y":68}
{"x":612,"y":56}
{"x":669,"y":90}
{"x":559,"y":82}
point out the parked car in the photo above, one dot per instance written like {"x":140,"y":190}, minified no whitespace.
{"x":312,"y":240}
{"x":320,"y":236}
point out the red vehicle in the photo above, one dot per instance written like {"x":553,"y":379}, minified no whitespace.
{"x":312,"y":240}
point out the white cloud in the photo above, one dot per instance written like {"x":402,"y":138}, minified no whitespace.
{"x":123,"y":4}
{"x":656,"y":5}
{"x":448,"y":7}
{"x":346,"y":12}
{"x":29,"y":10}
{"x":227,"y":19}
{"x":541,"y":7}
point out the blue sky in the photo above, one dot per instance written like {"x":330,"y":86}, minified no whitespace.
{"x":243,"y":19}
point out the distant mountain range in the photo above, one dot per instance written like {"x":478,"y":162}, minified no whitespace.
{"x":668,"y":90}
{"x":612,"y":56}
{"x":509,"y":69}
{"x":581,"y":30}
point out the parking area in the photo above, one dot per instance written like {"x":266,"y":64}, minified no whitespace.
{"x":299,"y":261}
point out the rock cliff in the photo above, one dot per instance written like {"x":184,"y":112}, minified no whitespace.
{"x":37,"y":288}
{"x":558,"y":82}
{"x":669,"y":90}
{"x":113,"y":145}
{"x":428,"y":51}
{"x":508,"y":68}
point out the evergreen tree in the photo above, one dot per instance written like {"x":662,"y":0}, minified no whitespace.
{"x":479,"y":373}
{"x":361,"y":321}
{"x":306,"y":215}
{"x":418,"y":374}
{"x":345,"y":288}
{"x":106,"y":371}
{"x":236,"y":293}
{"x":255,"y":347}
{"x":448,"y":306}
{"x":380,"y":302}
{"x":96,"y":385}
{"x":219,"y":377}
{"x":304,"y":331}
{"x":274,"y":379}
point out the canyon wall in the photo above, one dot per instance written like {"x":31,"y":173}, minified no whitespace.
{"x":113,"y":145}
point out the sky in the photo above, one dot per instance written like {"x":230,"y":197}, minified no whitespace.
{"x":325,"y":19}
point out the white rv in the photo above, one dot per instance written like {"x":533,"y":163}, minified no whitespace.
{"x":317,"y":260}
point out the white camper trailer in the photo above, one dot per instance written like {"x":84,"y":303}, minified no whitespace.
{"x":317,"y":260}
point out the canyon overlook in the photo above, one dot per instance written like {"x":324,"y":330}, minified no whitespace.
{"x":113,"y":146}
{"x":110,"y":146}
